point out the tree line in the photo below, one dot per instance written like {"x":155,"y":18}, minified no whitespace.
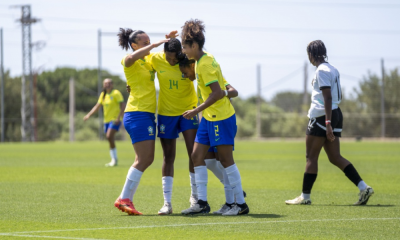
{"x":283,"y":116}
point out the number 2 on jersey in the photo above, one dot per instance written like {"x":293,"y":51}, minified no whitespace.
{"x":173,"y":83}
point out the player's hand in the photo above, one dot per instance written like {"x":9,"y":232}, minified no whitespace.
{"x":86,"y":118}
{"x":128,"y":88}
{"x":190,"y":114}
{"x":160,"y":42}
{"x":329,"y":133}
{"x":172,"y":34}
{"x":117,"y":122}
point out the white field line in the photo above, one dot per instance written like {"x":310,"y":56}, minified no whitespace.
{"x":39,"y":236}
{"x":200,"y":224}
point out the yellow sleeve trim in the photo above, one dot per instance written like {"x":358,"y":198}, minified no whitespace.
{"x":207,"y":84}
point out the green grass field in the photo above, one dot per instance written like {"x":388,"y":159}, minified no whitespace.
{"x":63,"y":191}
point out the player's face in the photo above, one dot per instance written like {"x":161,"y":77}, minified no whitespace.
{"x":171,"y":58}
{"x":312,"y":60}
{"x":142,"y":41}
{"x":190,"y":51}
{"x":107,"y":84}
{"x":188,"y":72}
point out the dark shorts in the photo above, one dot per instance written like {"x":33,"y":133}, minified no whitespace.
{"x":141,"y":126}
{"x":170,"y":127}
{"x":317,"y":127}
{"x":111,"y":125}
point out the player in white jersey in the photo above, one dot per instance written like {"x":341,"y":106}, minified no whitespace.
{"x":325,"y":126}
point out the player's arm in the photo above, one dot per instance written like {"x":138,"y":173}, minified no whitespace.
{"x":215,"y":95}
{"x":94,"y":109}
{"x":232,"y":92}
{"x":141,"y":53}
{"x":121,"y":112}
{"x":326,"y":92}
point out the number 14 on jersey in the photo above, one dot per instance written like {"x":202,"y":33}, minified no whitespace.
{"x":173,"y":83}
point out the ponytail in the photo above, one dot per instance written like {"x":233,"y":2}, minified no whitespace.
{"x":128,"y":36}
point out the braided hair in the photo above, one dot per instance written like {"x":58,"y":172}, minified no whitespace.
{"x":316,"y":51}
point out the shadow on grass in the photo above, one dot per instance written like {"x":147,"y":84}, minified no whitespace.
{"x":253,"y":215}
{"x":350,"y":205}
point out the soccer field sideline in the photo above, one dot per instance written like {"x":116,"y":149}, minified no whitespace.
{"x":51,"y":179}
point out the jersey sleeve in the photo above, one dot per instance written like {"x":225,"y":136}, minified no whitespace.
{"x":119,"y":96}
{"x":209,"y":74}
{"x":324,"y":78}
{"x":101,"y":98}
{"x":225,"y":82}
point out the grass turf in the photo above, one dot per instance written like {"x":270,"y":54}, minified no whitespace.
{"x":63,"y":191}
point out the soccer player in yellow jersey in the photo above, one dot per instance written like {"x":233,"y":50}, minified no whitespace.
{"x":218,"y":126}
{"x":139,"y":119}
{"x":113,"y":106}
{"x":211,"y":159}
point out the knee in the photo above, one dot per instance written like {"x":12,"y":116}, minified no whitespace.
{"x":109,"y":137}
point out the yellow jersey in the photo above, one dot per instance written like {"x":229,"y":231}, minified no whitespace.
{"x":111,"y":104}
{"x":177,"y":94}
{"x":140,"y":78}
{"x":200,"y":98}
{"x":208,"y":71}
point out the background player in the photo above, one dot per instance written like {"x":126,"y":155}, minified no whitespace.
{"x":325,"y":126}
{"x":113,"y":109}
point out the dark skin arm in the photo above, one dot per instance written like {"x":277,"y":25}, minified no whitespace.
{"x":328,"y":112}
{"x":216,"y":94}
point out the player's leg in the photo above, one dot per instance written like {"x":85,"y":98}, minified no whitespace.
{"x":315,"y":139}
{"x":141,"y":128}
{"x":168,"y":132}
{"x":110,"y":135}
{"x":189,"y":137}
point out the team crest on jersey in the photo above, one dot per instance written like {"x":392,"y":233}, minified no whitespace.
{"x":162,"y":128}
{"x":151,"y":131}
{"x":111,"y":98}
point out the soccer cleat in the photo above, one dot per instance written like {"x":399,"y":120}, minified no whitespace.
{"x":125,"y":205}
{"x":166,"y":209}
{"x":237,"y":209}
{"x":113,"y":163}
{"x":200,"y":207}
{"x":193,"y":200}
{"x":117,"y":204}
{"x":364,"y":196}
{"x":224,"y":208}
{"x":298,"y":201}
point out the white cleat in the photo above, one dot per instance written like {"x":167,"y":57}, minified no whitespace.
{"x":113,"y":163}
{"x":364,"y":196}
{"x":224,"y":208}
{"x":199,"y":207}
{"x":166,"y":209}
{"x":298,"y":201}
{"x":237,"y":210}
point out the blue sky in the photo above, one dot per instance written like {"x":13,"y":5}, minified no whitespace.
{"x":240,"y":34}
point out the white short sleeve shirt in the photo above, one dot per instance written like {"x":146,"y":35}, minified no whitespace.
{"x":326,"y":76}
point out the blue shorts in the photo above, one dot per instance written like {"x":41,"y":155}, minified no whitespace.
{"x":141,"y":126}
{"x":112,"y":126}
{"x":217,"y":133}
{"x":170,"y":126}
{"x":215,"y":150}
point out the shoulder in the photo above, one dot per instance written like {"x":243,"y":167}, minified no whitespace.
{"x":207,"y":61}
{"x":116,"y":91}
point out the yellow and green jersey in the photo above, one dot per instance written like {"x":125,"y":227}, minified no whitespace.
{"x":199,"y":92}
{"x":208,"y":71}
{"x":177,"y":94}
{"x":140,"y":78}
{"x":111,"y":103}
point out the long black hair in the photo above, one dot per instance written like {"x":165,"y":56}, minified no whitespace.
{"x":174,"y":45}
{"x":128,"y":36}
{"x":193,"y":31}
{"x":316,"y":50}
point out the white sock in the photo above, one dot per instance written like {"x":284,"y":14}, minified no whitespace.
{"x":229,"y":195}
{"x":213,"y":166}
{"x":362,"y":185}
{"x":131,"y":183}
{"x":167,"y":188}
{"x":193,"y":183}
{"x":201,"y":176}
{"x":306,"y":196}
{"x":235,"y":182}
{"x":113,"y":154}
